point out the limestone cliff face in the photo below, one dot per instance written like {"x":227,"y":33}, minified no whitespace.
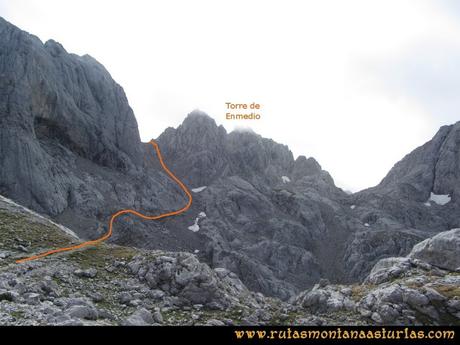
{"x":69,"y":142}
{"x":405,"y":207}
{"x":433,"y":167}
{"x":50,"y":98}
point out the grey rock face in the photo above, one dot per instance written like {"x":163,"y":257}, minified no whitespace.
{"x":402,"y":303}
{"x":400,"y":211}
{"x":421,"y":287}
{"x":326,"y":299}
{"x":367,"y":247}
{"x":397,"y":267}
{"x":69,"y":143}
{"x":398,"y":291}
{"x":441,"y":250}
{"x":265,"y":211}
{"x":432,"y":167}
{"x":192,"y":282}
{"x":389,"y":268}
{"x":403,"y":195}
{"x":253,"y":215}
{"x":70,"y":149}
{"x":57,"y":98}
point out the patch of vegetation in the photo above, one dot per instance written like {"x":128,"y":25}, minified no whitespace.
{"x":98,"y":256}
{"x":359,"y":291}
{"x":450,"y":291}
{"x":18,"y":229}
{"x":17,"y":314}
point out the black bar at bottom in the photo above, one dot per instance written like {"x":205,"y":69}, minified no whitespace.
{"x":250,"y":334}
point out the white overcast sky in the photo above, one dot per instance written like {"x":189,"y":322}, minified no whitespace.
{"x":356,"y":84}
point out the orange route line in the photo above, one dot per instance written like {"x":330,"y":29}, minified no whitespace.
{"x":122,"y":212}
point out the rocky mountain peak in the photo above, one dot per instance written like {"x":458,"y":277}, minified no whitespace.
{"x":54,"y":48}
{"x":200,"y":145}
{"x":306,"y":167}
{"x":199,"y":115}
{"x":200,"y":129}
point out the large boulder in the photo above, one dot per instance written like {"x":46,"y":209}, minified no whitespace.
{"x":442,"y":250}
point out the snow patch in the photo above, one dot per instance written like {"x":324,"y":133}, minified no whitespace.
{"x":199,"y":189}
{"x":440,"y":199}
{"x":353,"y":207}
{"x":195,"y":227}
{"x":285,"y":179}
{"x":427,"y":204}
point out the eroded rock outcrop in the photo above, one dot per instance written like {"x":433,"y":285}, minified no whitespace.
{"x":398,"y":290}
{"x":441,"y":250}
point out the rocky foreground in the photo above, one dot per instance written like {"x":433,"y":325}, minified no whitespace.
{"x":115,"y":285}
